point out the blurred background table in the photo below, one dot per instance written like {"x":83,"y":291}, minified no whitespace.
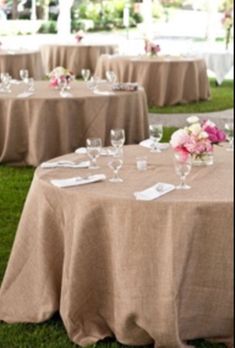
{"x":44,"y":124}
{"x":142,"y":271}
{"x":167,"y":80}
{"x":74,"y":56}
{"x":11,"y":61}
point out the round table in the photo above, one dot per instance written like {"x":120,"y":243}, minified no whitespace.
{"x":74,"y":57}
{"x":144,"y":271}
{"x":167,"y":80}
{"x":11,"y":61}
{"x":42,"y":125}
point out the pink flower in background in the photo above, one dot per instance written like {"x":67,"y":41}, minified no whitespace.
{"x":151,"y":48}
{"x":79,"y":36}
{"x":196,"y":139}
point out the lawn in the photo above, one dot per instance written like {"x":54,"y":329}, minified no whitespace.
{"x":221,"y":99}
{"x":14,"y":185}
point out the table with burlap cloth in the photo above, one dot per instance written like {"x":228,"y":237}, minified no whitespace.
{"x":167,"y":80}
{"x":74,"y":57}
{"x":142,"y":271}
{"x":44,"y":125}
{"x":11,"y":61}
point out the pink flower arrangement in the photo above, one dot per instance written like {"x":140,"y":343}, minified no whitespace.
{"x":151,"y":48}
{"x":60,"y":75}
{"x":79,"y":36}
{"x":196,"y":139}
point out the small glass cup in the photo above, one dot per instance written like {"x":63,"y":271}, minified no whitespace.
{"x":31,"y":87}
{"x":141,"y":163}
{"x":229,"y":130}
{"x":111,"y":76}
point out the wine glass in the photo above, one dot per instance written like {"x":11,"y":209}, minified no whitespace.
{"x":93,"y":146}
{"x":111,"y":76}
{"x":115,"y":164}
{"x":86,"y":73}
{"x":182,"y":167}
{"x":156,"y":132}
{"x":117,"y":137}
{"x":92,"y":83}
{"x":24,"y":75}
{"x":31,"y":85}
{"x":228,"y":127}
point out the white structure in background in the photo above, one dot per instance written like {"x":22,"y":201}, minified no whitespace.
{"x":212,"y":11}
{"x":33,"y":11}
{"x":64,"y":18}
{"x":148,"y":19}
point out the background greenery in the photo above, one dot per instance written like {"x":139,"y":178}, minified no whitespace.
{"x":14,"y":185}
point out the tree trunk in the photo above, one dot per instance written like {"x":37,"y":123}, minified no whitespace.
{"x":14,"y":9}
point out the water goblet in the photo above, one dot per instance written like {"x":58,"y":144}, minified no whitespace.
{"x":228,"y":127}
{"x":115,"y":164}
{"x":117,"y":138}
{"x":92,"y":83}
{"x":156,"y":132}
{"x":86,"y":73}
{"x":94,"y":146}
{"x":24,"y":75}
{"x":182,"y":167}
{"x":111,"y":76}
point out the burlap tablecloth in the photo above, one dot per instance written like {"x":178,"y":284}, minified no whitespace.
{"x":167,"y":80}
{"x":46,"y":125}
{"x":74,"y":56}
{"x":157,"y":271}
{"x":12,"y":61}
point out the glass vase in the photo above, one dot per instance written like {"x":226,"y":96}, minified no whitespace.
{"x":203,"y":159}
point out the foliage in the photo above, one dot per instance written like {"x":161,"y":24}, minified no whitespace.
{"x":221,"y":99}
{"x":105,"y":15}
{"x":48,"y":27}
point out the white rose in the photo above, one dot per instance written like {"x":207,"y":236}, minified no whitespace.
{"x":192,"y":119}
{"x":195,"y":129}
{"x":203,"y":135}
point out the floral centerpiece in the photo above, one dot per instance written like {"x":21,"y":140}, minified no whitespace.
{"x":151,"y":48}
{"x":197,"y":140}
{"x":60,"y":76}
{"x":79,"y":36}
{"x":227,"y":22}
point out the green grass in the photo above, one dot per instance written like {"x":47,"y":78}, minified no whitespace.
{"x":14,"y":185}
{"x":221,"y":99}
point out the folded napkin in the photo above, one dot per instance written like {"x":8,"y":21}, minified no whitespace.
{"x":79,"y":180}
{"x":96,"y":91}
{"x":15,"y":82}
{"x":104,"y":151}
{"x":149,"y":144}
{"x":65,"y":164}
{"x":154,"y":191}
{"x":24,"y":95}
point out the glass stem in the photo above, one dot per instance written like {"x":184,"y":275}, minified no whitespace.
{"x":182,"y":183}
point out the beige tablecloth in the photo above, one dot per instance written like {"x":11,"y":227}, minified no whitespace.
{"x":12,"y":61}
{"x":143,"y":271}
{"x":45,"y":125}
{"x":167,"y":80}
{"x":74,"y":56}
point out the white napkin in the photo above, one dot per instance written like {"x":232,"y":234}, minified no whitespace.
{"x":154,"y":191}
{"x":24,"y":95}
{"x":65,"y":164}
{"x":78,"y":180}
{"x":96,"y":91}
{"x":15,"y":82}
{"x":104,"y":151}
{"x":149,"y":144}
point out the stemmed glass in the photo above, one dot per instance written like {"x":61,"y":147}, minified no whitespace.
{"x":117,"y":138}
{"x":156,"y":132}
{"x":115,"y":164}
{"x":228,"y":127}
{"x":5,"y":85}
{"x":24,"y":75}
{"x":94,"y":146}
{"x":86,"y":73}
{"x":111,"y":76}
{"x":182,"y":167}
